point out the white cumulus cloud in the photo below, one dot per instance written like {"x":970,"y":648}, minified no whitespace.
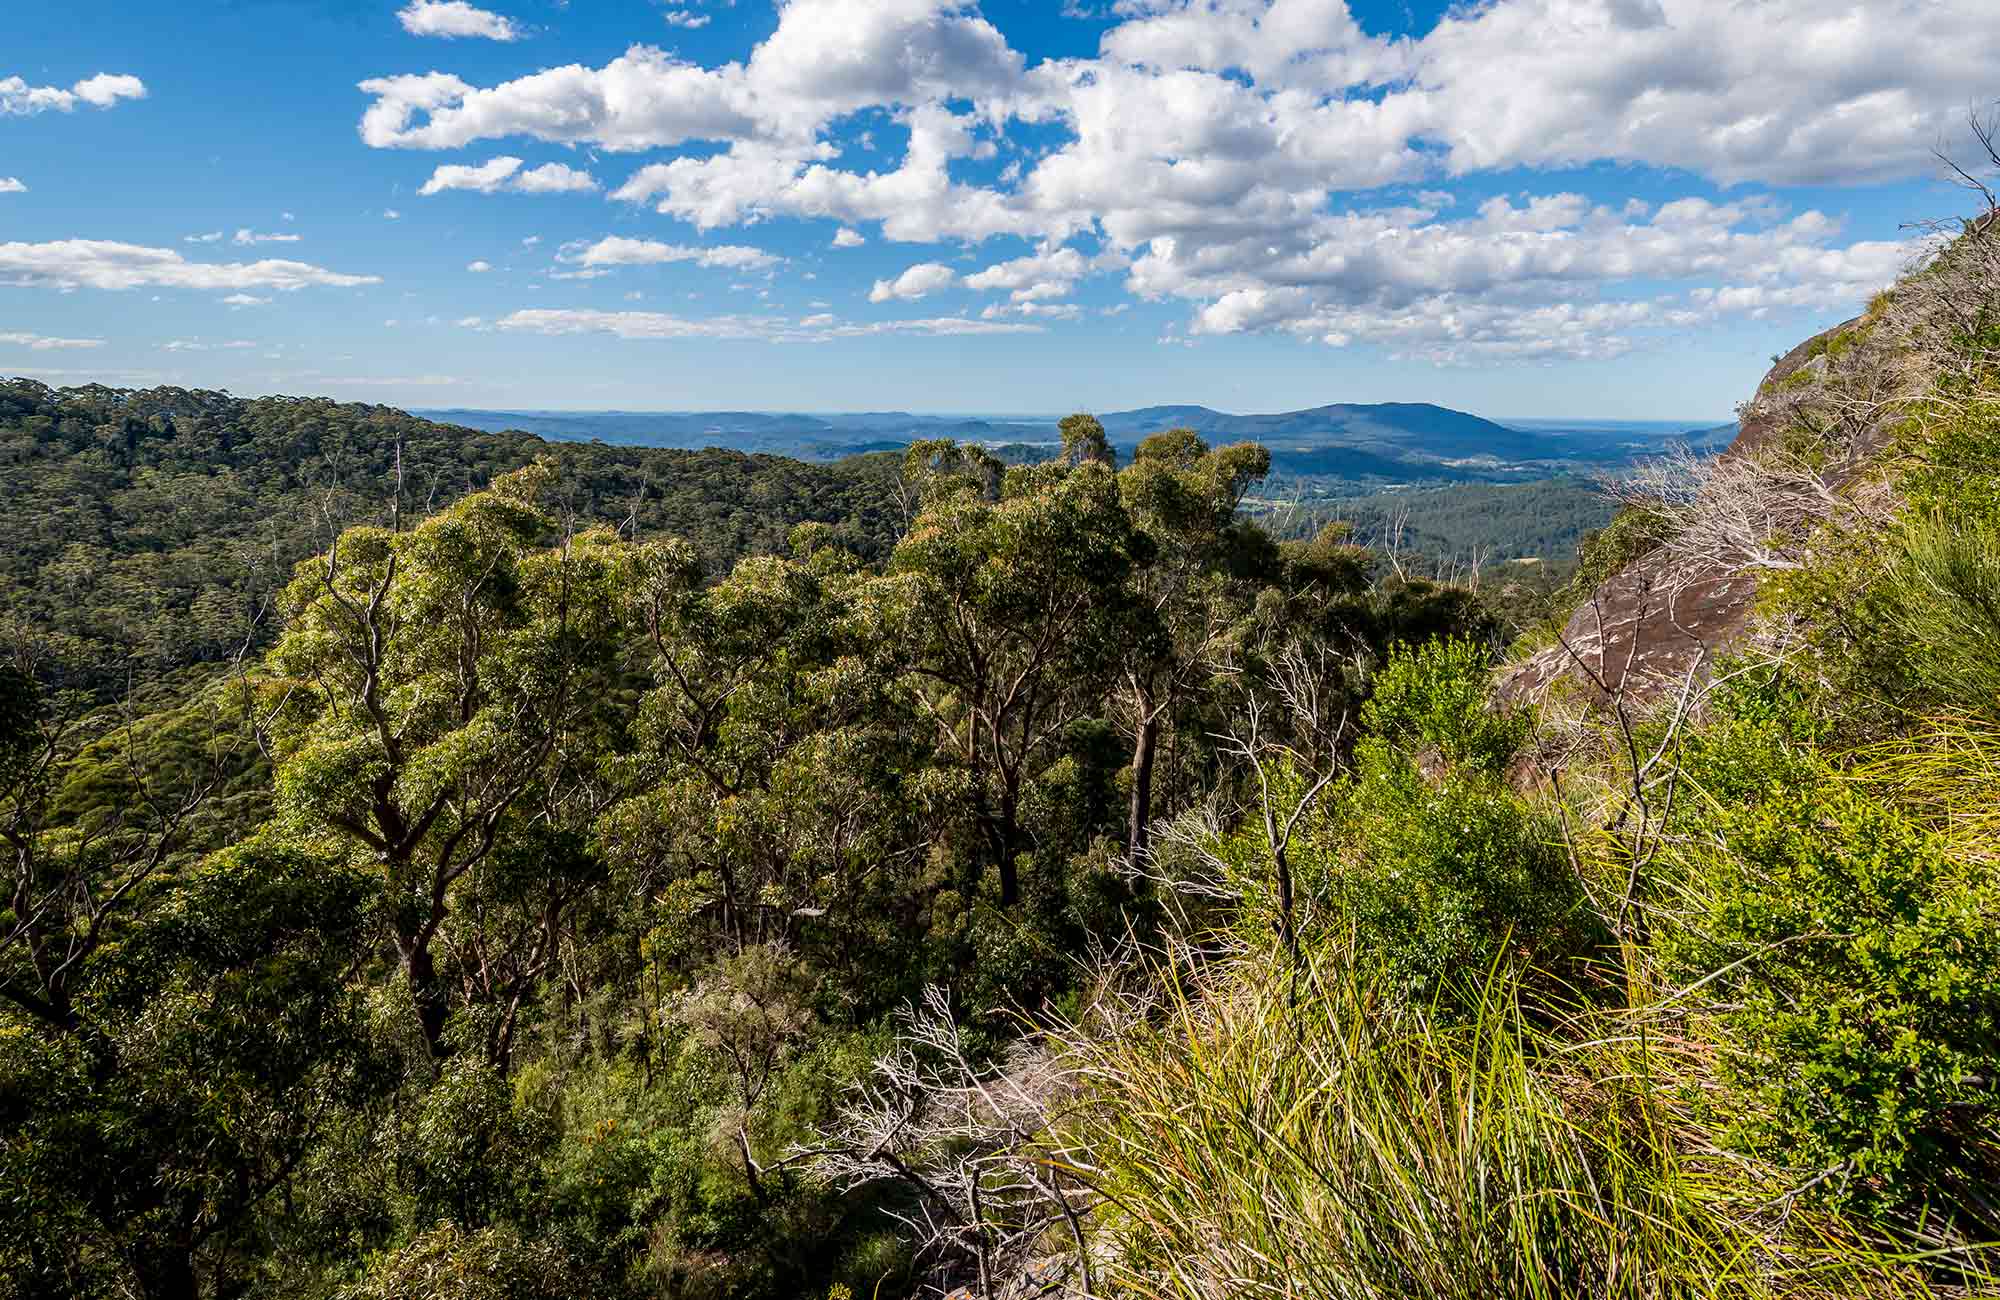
{"x":826,"y":58}
{"x":485,"y":178}
{"x":12,"y":185}
{"x":554,"y":178}
{"x":1234,"y":155}
{"x":1050,"y":272}
{"x":916,"y":282}
{"x":1545,"y":277}
{"x":1783,"y":90}
{"x":19,"y":99}
{"x":455,"y":18}
{"x":1029,"y":307}
{"x":636,"y":324}
{"x":106,"y":89}
{"x":504,"y":173}
{"x":617,"y":250}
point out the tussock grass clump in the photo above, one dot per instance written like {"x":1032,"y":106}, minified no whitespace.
{"x":1260,"y":1136}
{"x":1946,"y":609}
{"x":1945,"y":774}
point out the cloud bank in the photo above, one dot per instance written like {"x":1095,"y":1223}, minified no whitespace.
{"x":1276,"y":166}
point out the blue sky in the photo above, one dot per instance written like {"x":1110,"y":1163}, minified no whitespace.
{"x":1561,"y":208}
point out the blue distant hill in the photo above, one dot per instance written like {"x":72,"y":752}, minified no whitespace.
{"x":1382,"y":441}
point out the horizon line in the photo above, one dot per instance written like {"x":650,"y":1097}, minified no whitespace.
{"x":1023,"y":417}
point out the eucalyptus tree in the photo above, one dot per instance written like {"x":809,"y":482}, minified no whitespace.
{"x":71,"y":883}
{"x":1017,"y":601}
{"x":1197,"y":585}
{"x":435,"y":707}
{"x":769,"y":750}
{"x":209,"y":1053}
{"x":1083,"y":439}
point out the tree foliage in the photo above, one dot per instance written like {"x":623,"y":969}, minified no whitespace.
{"x":441,"y":866}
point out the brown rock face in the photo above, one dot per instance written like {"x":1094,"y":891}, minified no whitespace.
{"x":1649,"y":624}
{"x":1762,"y":422}
{"x":1641,"y":631}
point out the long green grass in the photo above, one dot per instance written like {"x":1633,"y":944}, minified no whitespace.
{"x":1946,"y":773}
{"x":1260,"y":1135}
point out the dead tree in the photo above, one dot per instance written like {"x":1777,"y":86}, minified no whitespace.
{"x":968,"y":1139}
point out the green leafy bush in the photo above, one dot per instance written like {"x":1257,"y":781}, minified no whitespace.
{"x":468,"y":1151}
{"x":1858,"y":1000}
{"x":1442,"y":878}
{"x":1436,"y":868}
{"x":452,"y":1263}
{"x":217,"y":1046}
{"x":1762,"y":734}
{"x":1434,"y":698}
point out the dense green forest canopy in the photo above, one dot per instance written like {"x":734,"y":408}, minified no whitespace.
{"x":1472,"y":523}
{"x":151,"y":528}
{"x":148,"y":529}
{"x":522,"y":806}
{"x":940,"y":876}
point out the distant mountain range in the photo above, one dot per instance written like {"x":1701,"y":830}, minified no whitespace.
{"x":1363,"y":442}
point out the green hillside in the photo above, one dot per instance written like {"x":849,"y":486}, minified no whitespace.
{"x":149,"y":529}
{"x":662,"y":876}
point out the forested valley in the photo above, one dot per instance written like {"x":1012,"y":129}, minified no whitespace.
{"x":441,"y":866}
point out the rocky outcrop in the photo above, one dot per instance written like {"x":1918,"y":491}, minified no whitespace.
{"x":1642,"y":630}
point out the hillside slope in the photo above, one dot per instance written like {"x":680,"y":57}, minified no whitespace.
{"x":146,"y":527}
{"x":1680,"y":571}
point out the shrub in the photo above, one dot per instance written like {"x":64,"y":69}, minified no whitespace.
{"x":467,"y":1151}
{"x":1858,"y":997}
{"x":1909,"y":619}
{"x":1434,"y":698}
{"x":1954,"y":447}
{"x":451,"y":1263}
{"x":1434,"y":867}
{"x":1762,"y":733}
{"x":1440,"y":879}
